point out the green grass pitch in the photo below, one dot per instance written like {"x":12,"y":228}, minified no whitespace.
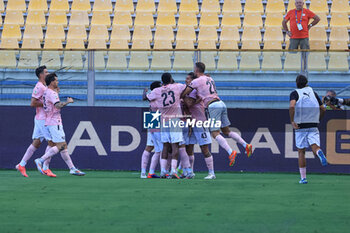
{"x":105,"y":201}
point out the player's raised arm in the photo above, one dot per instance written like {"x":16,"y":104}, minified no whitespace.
{"x":60,"y":105}
{"x":187,"y":91}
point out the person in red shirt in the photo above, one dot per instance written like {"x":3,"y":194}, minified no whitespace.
{"x":299,"y":25}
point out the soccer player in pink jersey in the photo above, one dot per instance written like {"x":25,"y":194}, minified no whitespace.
{"x":217,"y":111}
{"x":53,"y":124}
{"x":39,"y":121}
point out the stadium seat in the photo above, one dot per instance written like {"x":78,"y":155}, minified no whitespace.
{"x":251,"y":33}
{"x":53,"y":44}
{"x":183,"y":61}
{"x":139,"y":61}
{"x":162,"y":44}
{"x":103,"y":5}
{"x":119,"y":44}
{"x":8,"y":59}
{"x":231,"y":19}
{"x":323,"y":19}
{"x":142,"y":32}
{"x":161,"y":61}
{"x":120,"y":32}
{"x":72,"y":60}
{"x":166,"y":19}
{"x":57,"y":18}
{"x":14,"y":17}
{"x":291,"y":6}
{"x":273,"y":44}
{"x":11,"y":31}
{"x":184,"y":44}
{"x":317,"y":33}
{"x":37,"y":5}
{"x":140,"y":44}
{"x":227,"y":61}
{"x":252,"y":19}
{"x":319,"y":6}
{"x":209,"y":19}
{"x":164,"y":33}
{"x":36,"y":18}
{"x":250,"y":44}
{"x":33,"y":32}
{"x":28,"y":60}
{"x":122,"y":18}
{"x":317,"y":61}
{"x":187,"y":19}
{"x":206,"y":44}
{"x":317,"y":45}
{"x":340,"y":19}
{"x":145,"y":6}
{"x":275,"y":6}
{"x":292,"y":62}
{"x":167,"y":6}
{"x":30,"y":43}
{"x":98,"y":32}
{"x":9,"y":43}
{"x":101,"y":18}
{"x":76,"y":32}
{"x":81,"y":5}
{"x":208,"y":33}
{"x":59,"y":5}
{"x":55,"y":32}
{"x":99,"y":60}
{"x":232,"y":6}
{"x":189,"y":6}
{"x":51,"y":59}
{"x":186,"y":33}
{"x":16,"y":5}
{"x":253,"y":6}
{"x":273,"y":33}
{"x":338,"y":45}
{"x":229,"y":33}
{"x":144,"y":18}
{"x":73,"y":43}
{"x":210,"y":6}
{"x":338,"y":62}
{"x":208,"y":58}
{"x":2,"y":7}
{"x":124,"y":5}
{"x":79,"y":18}
{"x":340,"y":6}
{"x":116,"y":60}
{"x":339,"y":33}
{"x":249,"y":61}
{"x":228,"y":44}
{"x":273,"y":19}
{"x":97,"y":44}
{"x":271,"y":61}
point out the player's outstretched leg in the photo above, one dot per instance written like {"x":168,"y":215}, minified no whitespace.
{"x":46,"y":164}
{"x":144,"y":161}
{"x":235,"y":136}
{"x":302,"y":166}
{"x":319,"y":153}
{"x":21,"y":167}
{"x":223,"y":143}
{"x":154,"y":162}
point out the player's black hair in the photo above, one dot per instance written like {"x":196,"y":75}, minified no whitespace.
{"x":155,"y":84}
{"x":166,"y":78}
{"x":301,"y":81}
{"x":50,"y":78}
{"x":39,"y":70}
{"x":192,"y":75}
{"x":201,"y":67}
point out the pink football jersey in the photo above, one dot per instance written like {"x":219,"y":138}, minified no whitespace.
{"x":197,"y":110}
{"x":53,"y":115}
{"x":206,"y":89}
{"x":38,"y":93}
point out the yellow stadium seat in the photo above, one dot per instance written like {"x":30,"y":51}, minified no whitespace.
{"x":97,"y":44}
{"x":339,"y":45}
{"x":75,"y":44}
{"x":28,"y":60}
{"x":120,"y":32}
{"x":340,"y":6}
{"x":76,"y":32}
{"x":103,"y":5}
{"x":119,"y":44}
{"x":317,"y":44}
{"x":251,"y":33}
{"x":340,"y":19}
{"x":145,"y":6}
{"x":232,"y":6}
{"x":11,"y":31}
{"x":231,"y":19}
{"x":98,"y":32}
{"x":30,"y":43}
{"x":140,"y":44}
{"x":16,"y":5}
{"x":292,"y":62}
{"x":189,"y":6}
{"x":323,"y":19}
{"x":208,"y":33}
{"x":79,"y":18}
{"x":252,"y":19}
{"x":317,"y":61}
{"x":319,"y":6}
{"x":161,"y":61}
{"x":206,"y":44}
{"x":339,"y":33}
{"x":210,"y":6}
{"x":317,"y":33}
{"x":59,"y":5}
{"x":229,"y":33}
{"x":8,"y":59}
{"x":72,"y":60}
{"x":163,"y":44}
{"x":184,"y":44}
{"x":167,"y":6}
{"x":122,"y":18}
{"x":253,"y":6}
{"x":273,"y":19}
{"x":14,"y":17}
{"x":101,"y":18}
{"x":55,"y":32}
{"x":116,"y":60}
{"x":291,"y":6}
{"x":144,"y":18}
{"x":208,"y":58}
{"x":36,"y":18}
{"x":209,"y":19}
{"x":99,"y":60}
{"x":276,"y":6}
{"x":273,"y":33}
{"x":183,"y":61}
{"x":57,"y":17}
{"x":2,"y":7}
{"x":227,"y":61}
{"x":33,"y":32}
{"x":53,"y":44}
{"x":9,"y":43}
{"x":228,"y":44}
{"x":37,"y":5}
{"x":273,"y":45}
{"x":250,"y":44}
{"x":338,"y":62}
{"x":164,"y":33}
{"x":124,"y":5}
{"x":51,"y":59}
{"x":142,"y":32}
{"x":187,"y":19}
{"x":250,"y":61}
{"x":139,"y":61}
{"x":166,"y":19}
{"x":186,"y":33}
{"x":272,"y":61}
{"x":81,"y":5}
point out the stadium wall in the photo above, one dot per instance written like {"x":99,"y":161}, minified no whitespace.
{"x":113,"y":138}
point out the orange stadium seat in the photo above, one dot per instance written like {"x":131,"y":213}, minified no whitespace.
{"x":167,"y":6}
{"x":124,"y":5}
{"x":232,"y":6}
{"x":210,"y":6}
{"x":59,"y":5}
{"x":57,"y":18}
{"x":189,"y":6}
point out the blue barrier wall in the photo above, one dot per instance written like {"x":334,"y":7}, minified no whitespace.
{"x":113,"y":138}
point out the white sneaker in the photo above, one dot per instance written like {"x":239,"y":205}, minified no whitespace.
{"x":143,"y":176}
{"x":76,"y":172}
{"x":210,"y":177}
